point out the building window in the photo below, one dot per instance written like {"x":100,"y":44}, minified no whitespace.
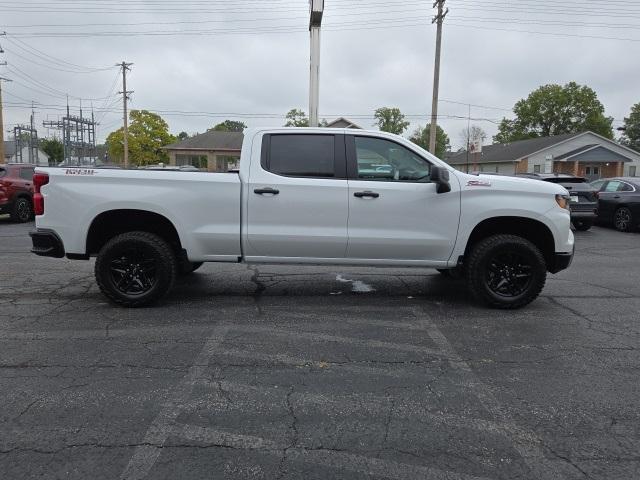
{"x":230,"y":162}
{"x":536,"y":169}
{"x":632,"y":171}
{"x":592,"y":170}
{"x":198,"y":161}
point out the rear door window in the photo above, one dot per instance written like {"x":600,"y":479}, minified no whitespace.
{"x":613,"y":186}
{"x":302,"y":155}
{"x":26,"y":173}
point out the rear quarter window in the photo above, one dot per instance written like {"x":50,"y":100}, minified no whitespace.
{"x":3,"y":172}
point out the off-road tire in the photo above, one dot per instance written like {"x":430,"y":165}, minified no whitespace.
{"x":478,"y":266}
{"x":582,"y":225}
{"x":22,"y":211}
{"x":157,"y":249}
{"x":186,"y":267}
{"x":627,"y":224}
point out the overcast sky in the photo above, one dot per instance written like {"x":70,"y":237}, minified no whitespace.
{"x":249,"y":60}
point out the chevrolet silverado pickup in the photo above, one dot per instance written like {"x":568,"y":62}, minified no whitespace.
{"x":307,"y":196}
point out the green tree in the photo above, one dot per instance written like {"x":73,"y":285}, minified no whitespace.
{"x":390,"y":120}
{"x":230,"y":126}
{"x":631,"y":136}
{"x":421,"y":137}
{"x":182,"y":135}
{"x":296,"y":118}
{"x":555,"y":110}
{"x":53,"y":148}
{"x":148,"y":132}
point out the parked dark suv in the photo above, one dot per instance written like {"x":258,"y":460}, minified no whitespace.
{"x":16,"y":191}
{"x":584,"y":197}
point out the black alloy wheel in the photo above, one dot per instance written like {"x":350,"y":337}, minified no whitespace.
{"x":134,"y":271}
{"x":22,"y":211}
{"x":505,"y":271}
{"x":135,"y":268}
{"x":622,"y":219}
{"x":509,"y":273}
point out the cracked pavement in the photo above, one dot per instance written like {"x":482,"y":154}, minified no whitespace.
{"x":262,"y":372}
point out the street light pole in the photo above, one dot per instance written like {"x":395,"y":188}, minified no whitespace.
{"x":316,"y":8}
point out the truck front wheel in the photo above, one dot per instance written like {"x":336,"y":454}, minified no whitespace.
{"x":506,"y":271}
{"x":135,"y":268}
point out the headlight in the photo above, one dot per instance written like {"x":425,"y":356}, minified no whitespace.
{"x":563,"y":201}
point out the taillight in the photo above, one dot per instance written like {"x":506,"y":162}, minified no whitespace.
{"x":39,"y":179}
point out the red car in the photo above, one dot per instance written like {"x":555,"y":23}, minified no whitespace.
{"x":16,"y":191}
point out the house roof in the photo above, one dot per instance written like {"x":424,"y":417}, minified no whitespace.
{"x":510,"y":152}
{"x":210,"y":140}
{"x":342,"y":122}
{"x":576,"y":151}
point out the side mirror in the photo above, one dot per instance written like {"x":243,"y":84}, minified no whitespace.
{"x":440,"y":176}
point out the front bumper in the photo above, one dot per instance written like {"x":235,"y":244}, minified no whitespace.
{"x":46,"y":243}
{"x":561,"y":261}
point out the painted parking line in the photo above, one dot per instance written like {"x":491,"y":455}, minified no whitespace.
{"x":146,"y":455}
{"x":324,"y":337}
{"x":339,"y":460}
{"x":525,"y":442}
{"x":349,"y":404}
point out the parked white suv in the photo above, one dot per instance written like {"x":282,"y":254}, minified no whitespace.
{"x":307,"y":195}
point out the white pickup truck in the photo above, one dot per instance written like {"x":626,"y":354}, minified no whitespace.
{"x":307,"y":196}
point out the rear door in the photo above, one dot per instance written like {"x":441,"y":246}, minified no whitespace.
{"x":608,"y":199}
{"x":26,"y":177}
{"x":395,"y":213}
{"x":297,"y":198}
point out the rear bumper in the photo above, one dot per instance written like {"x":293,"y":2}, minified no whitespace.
{"x":585,"y":215}
{"x":46,"y":243}
{"x":561,"y":261}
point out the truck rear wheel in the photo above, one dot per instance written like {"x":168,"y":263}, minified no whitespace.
{"x":135,"y":269}
{"x":506,"y":271}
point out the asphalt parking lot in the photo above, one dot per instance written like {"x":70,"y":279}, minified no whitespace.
{"x":319,"y":372}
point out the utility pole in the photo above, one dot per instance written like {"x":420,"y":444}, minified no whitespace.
{"x":125,"y":94}
{"x":315,"y":20}
{"x":436,"y":74}
{"x":468,"y":135}
{"x":2,"y":79}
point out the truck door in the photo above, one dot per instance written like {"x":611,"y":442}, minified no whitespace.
{"x":395,"y":212}
{"x":297,"y":198}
